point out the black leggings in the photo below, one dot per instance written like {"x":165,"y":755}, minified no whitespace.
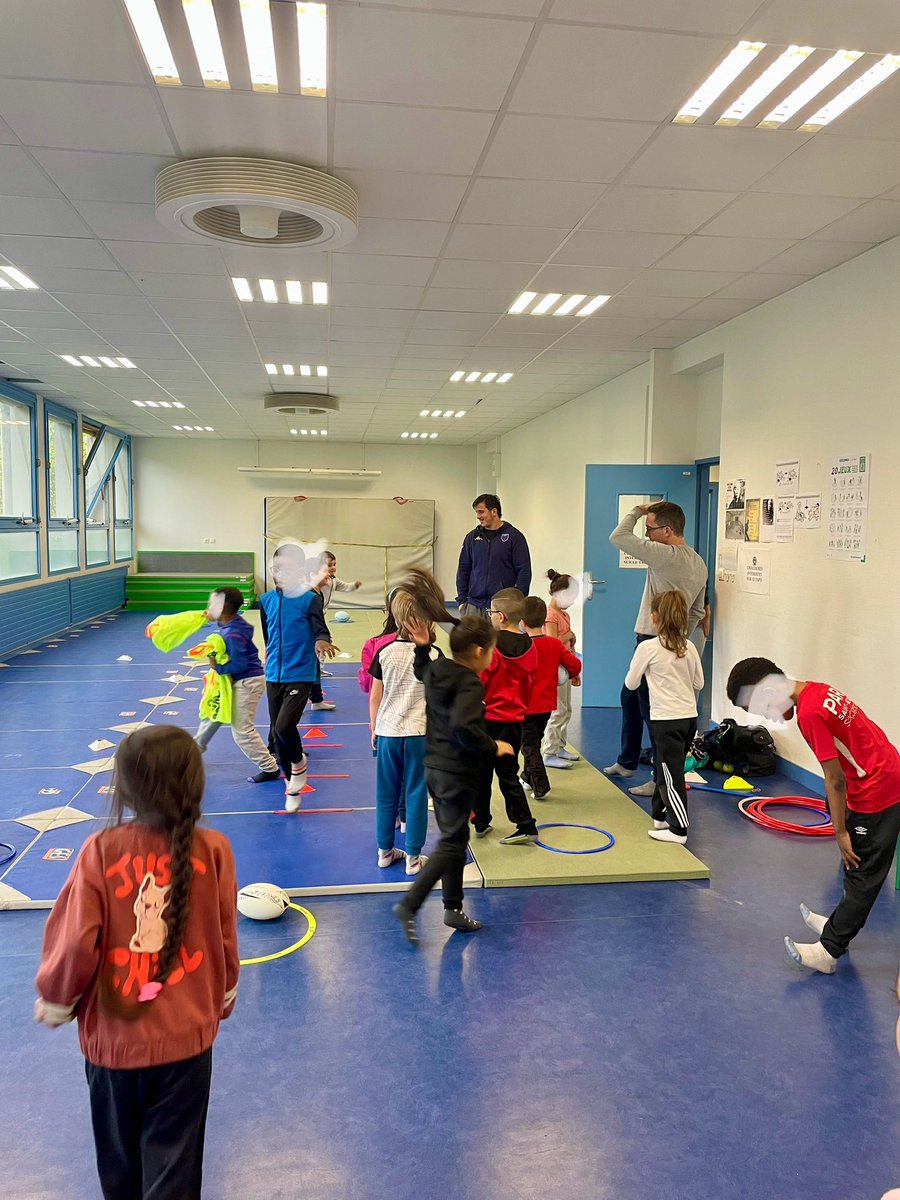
{"x":672,"y":742}
{"x":286,"y":704}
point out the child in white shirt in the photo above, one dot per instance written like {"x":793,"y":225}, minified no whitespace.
{"x":671,"y":666}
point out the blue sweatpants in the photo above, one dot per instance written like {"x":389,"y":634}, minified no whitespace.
{"x":400,"y":763}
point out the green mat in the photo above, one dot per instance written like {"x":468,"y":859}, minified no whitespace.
{"x":584,"y":796}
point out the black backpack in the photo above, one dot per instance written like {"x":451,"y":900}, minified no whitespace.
{"x":750,"y":749}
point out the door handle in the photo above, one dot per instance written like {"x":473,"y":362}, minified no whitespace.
{"x":597,"y":581}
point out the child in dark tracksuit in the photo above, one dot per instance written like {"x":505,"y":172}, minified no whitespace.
{"x":457,"y":745}
{"x":507,"y":690}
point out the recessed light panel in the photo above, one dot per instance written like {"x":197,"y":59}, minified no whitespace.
{"x":13,"y":278}
{"x":476,"y":377}
{"x":102,"y":360}
{"x":274,"y":291}
{"x":321,"y":371}
{"x":554,"y":303}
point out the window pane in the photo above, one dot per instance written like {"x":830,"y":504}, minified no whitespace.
{"x":97,"y":469}
{"x":61,"y":459}
{"x":123,"y":543}
{"x":16,"y":494}
{"x":122,"y":473}
{"x":18,"y":555}
{"x":97,"y":546}
{"x":63,"y":549}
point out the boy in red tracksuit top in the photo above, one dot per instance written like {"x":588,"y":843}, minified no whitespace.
{"x":552,"y":654}
{"x":507,"y":690}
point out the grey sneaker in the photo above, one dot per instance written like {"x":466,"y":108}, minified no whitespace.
{"x":519,"y":838}
{"x":644,"y":789}
{"x":457,"y":919}
{"x":618,"y":769}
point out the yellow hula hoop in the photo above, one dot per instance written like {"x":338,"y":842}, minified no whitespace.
{"x":249,"y":962}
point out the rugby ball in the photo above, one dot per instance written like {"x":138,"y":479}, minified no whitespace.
{"x":342,"y":617}
{"x":262,"y":901}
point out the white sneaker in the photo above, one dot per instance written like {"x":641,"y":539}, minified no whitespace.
{"x":415,"y":863}
{"x":296,"y":784}
{"x":570,"y":754}
{"x":815,"y":921}
{"x":403,"y":827}
{"x":810,"y":954}
{"x":617,"y":769}
{"x":643,"y":789}
{"x":387,"y":858}
{"x":660,"y":824}
{"x":666,"y":835}
{"x":323,"y":706}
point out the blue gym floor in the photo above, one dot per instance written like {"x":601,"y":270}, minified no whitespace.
{"x":641,"y":1041}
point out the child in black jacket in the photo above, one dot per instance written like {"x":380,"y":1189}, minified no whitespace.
{"x":457,"y":744}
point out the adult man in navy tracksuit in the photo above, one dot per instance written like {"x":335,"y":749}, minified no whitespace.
{"x":494,"y":556}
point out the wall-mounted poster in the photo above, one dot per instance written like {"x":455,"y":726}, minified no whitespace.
{"x":808,"y":513}
{"x":751,"y":533}
{"x":735,"y":490}
{"x":735,"y":525}
{"x":848,"y":507}
{"x":767,"y":519}
{"x":787,"y":477}
{"x":785,"y":508}
{"x":754,"y":570}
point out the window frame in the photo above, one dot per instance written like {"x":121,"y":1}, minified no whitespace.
{"x":32,"y":523}
{"x":64,"y":523}
{"x":120,"y":522}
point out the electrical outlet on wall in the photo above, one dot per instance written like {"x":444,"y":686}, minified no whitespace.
{"x":209,"y":541}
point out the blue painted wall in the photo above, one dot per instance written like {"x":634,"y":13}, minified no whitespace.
{"x":39,"y":612}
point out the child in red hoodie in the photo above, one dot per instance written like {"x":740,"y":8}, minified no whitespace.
{"x":507,"y":690}
{"x":552,"y":655}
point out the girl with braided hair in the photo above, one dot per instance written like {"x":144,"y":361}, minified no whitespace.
{"x":141,"y":950}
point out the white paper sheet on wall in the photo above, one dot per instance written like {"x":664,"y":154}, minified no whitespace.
{"x":848,"y":507}
{"x":755,"y":568}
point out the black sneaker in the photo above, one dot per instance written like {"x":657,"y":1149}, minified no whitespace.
{"x":483,"y":832}
{"x":407,"y":919}
{"x":265,"y":777}
{"x":541,"y":795}
{"x":457,"y":919}
{"x":519,"y":838}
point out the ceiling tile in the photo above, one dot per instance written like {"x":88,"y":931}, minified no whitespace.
{"x":374,"y":268}
{"x":706,"y":157}
{"x":86,"y":175}
{"x":187,"y":287}
{"x":209,"y":121}
{"x":124,"y":222}
{"x":371,"y":318}
{"x":89,"y":41}
{"x":762,"y":287}
{"x":723,"y":253}
{"x":574,"y":71}
{"x":467,"y":300}
{"x":516,"y":243}
{"x":871,"y":222}
{"x":812,"y":256}
{"x":589,"y":248}
{"x":53,"y":252}
{"x":679,"y":283}
{"x":836,"y":166}
{"x":626,"y":305}
{"x":177,"y":258}
{"x":473,"y":69}
{"x":761,"y":215}
{"x":388,"y":137}
{"x":655,"y":210}
{"x":558,"y":148}
{"x":405,"y":195}
{"x":865,"y":23}
{"x":84,"y":116}
{"x":594,"y":281}
{"x":718,"y":308}
{"x":466,"y":273}
{"x":21,"y":176}
{"x":697,"y":16}
{"x":536,"y":202}
{"x":415,"y":238}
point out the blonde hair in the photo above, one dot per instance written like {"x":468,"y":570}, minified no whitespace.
{"x":404,"y":611}
{"x":510,"y":602}
{"x":671,"y":620}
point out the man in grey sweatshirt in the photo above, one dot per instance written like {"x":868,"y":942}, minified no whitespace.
{"x":672,"y":565}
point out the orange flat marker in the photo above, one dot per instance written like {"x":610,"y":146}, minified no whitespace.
{"x":312,"y":731}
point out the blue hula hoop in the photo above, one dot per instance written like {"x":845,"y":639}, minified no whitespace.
{"x":572,"y":825}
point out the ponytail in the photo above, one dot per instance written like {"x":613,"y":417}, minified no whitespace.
{"x":671,"y":621}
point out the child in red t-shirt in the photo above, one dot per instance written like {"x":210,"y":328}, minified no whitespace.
{"x":553,"y":654}
{"x":141,"y":949}
{"x":862,"y":787}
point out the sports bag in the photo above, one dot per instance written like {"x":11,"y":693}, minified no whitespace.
{"x":747,"y":749}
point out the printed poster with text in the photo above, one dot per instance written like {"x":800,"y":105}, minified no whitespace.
{"x":848,"y":506}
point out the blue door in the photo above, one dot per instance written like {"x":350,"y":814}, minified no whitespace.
{"x":609,"y":618}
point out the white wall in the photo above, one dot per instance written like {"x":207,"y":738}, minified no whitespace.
{"x":187,"y":490}
{"x":543,"y":463}
{"x":708,"y":431}
{"x":814,"y":374}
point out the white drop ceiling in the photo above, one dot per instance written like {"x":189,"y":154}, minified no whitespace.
{"x":496,"y":146}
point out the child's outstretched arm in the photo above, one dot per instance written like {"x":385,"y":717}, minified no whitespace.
{"x":638,"y":667}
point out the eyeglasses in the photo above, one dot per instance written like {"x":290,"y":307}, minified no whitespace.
{"x":655,"y":528}
{"x":494,"y":612}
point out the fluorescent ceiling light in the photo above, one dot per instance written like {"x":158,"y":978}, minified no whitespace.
{"x":461,"y":414}
{"x":473,"y":376}
{"x":323,"y":432}
{"x":294,"y":292}
{"x":268,"y":291}
{"x":287,"y":368}
{"x":243,"y":290}
{"x":771,"y":78}
{"x":320,"y":293}
{"x":433,"y":435}
{"x":153,"y":41}
{"x":207,"y":46}
{"x":257,"y":22}
{"x":455,"y":378}
{"x":139,"y":403}
{"x":305,"y":369}
{"x":321,"y":372}
{"x":840,"y":61}
{"x":178,"y":427}
{"x":413,"y":435}
{"x":21,"y":278}
{"x":126,"y":362}
{"x":177,"y":404}
{"x":153,"y":404}
{"x":209,"y":429}
{"x":313,"y":432}
{"x":271,"y":368}
{"x":4,"y":284}
{"x":108,"y":362}
{"x":406,"y":435}
{"x":851,"y":94}
{"x":294,"y":432}
{"x":164,"y":404}
{"x":592,"y":306}
{"x":424,"y":412}
{"x":505,"y":377}
{"x":88,"y":361}
{"x":71,"y":360}
{"x":449,"y":412}
{"x":490,"y":377}
{"x":522,"y":303}
{"x":548,"y":301}
{"x":722,"y":77}
{"x":567,"y":305}
{"x":312,"y":35}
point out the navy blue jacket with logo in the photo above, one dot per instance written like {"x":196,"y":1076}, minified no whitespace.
{"x":491,"y":560}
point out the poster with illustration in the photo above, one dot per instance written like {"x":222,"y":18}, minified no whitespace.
{"x":735,"y":525}
{"x":787,"y":477}
{"x":808,"y":513}
{"x":785,"y":508}
{"x":767,"y":519}
{"x":735,"y":490}
{"x":752,"y":512}
{"x":848,"y":507}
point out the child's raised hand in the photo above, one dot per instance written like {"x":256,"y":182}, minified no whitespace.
{"x":327,"y":648}
{"x":504,"y":749}
{"x":419,"y":632}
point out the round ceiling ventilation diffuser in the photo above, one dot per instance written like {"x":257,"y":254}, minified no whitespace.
{"x":256,"y":202}
{"x":301,"y":404}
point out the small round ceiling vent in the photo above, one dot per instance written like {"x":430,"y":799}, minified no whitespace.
{"x":301,"y":404}
{"x":256,"y":202}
